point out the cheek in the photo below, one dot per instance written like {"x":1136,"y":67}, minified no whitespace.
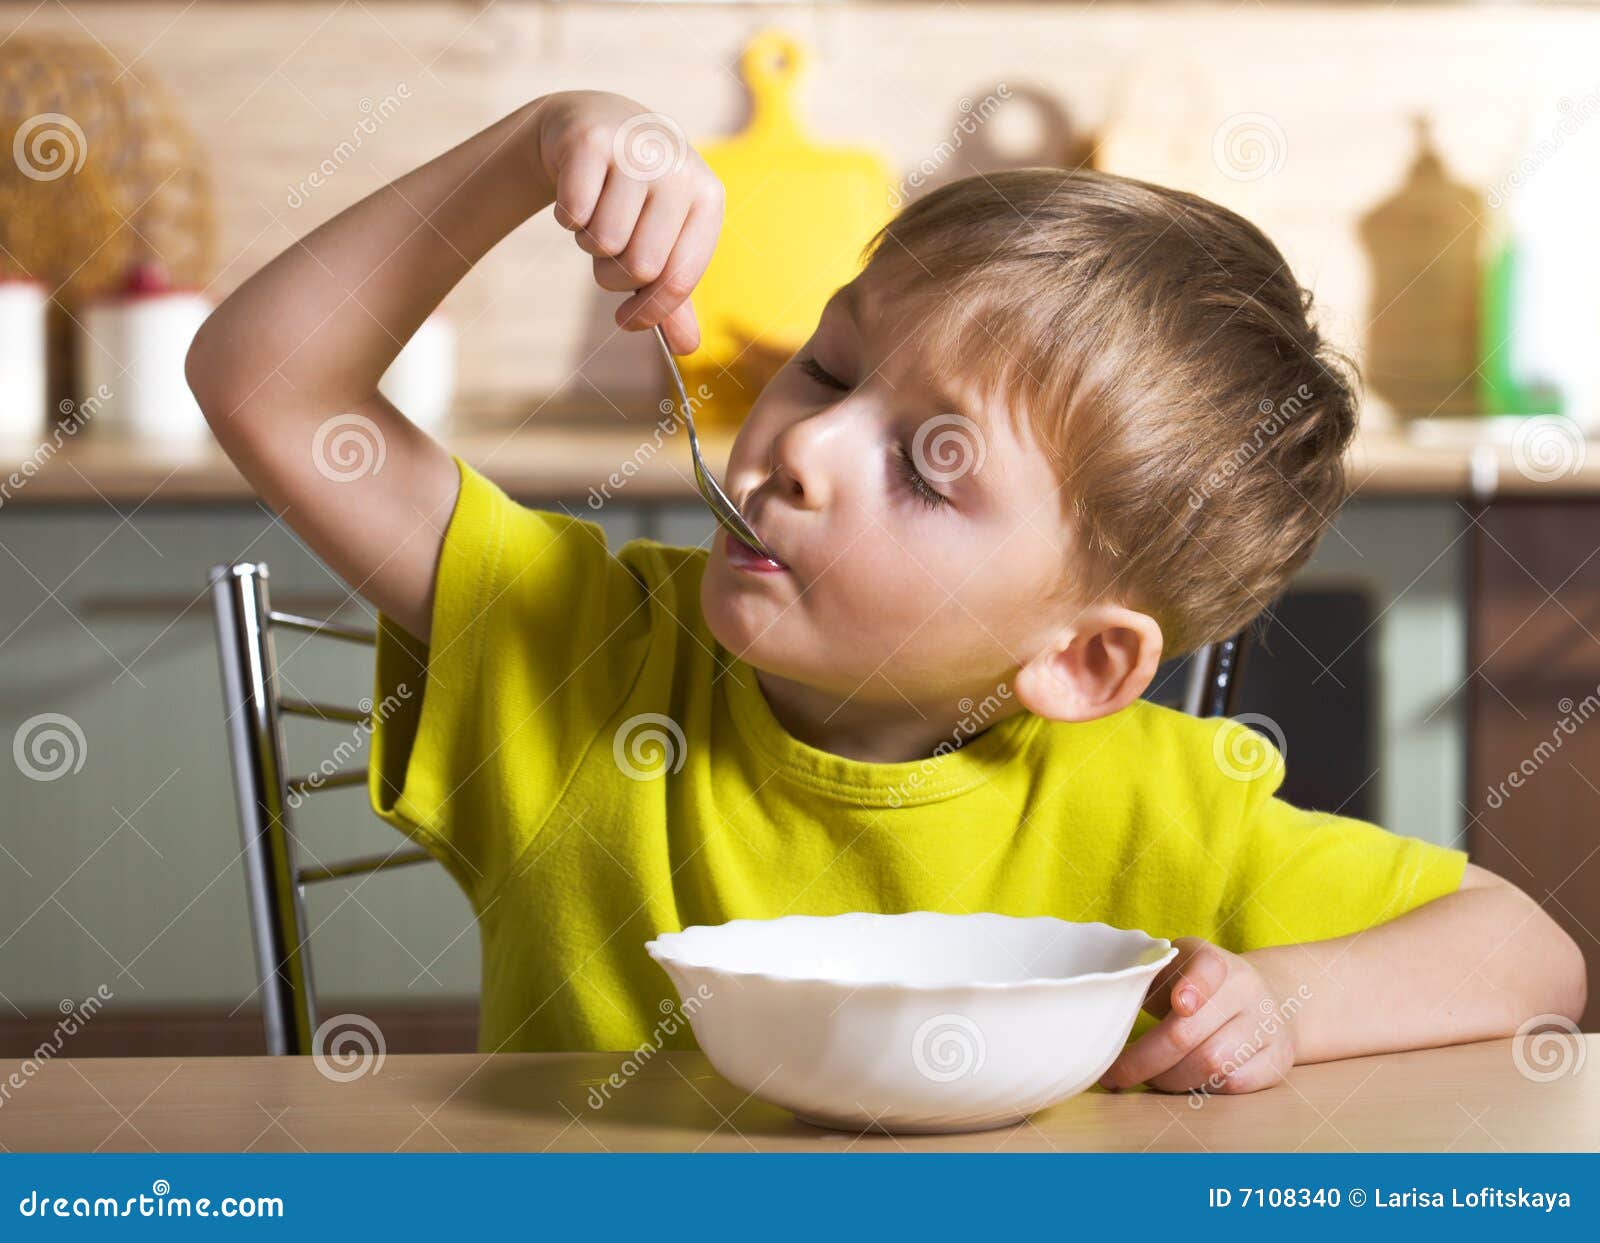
{"x":938,"y":593}
{"x":892,"y":579}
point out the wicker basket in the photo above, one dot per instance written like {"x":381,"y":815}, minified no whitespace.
{"x":104,"y":175}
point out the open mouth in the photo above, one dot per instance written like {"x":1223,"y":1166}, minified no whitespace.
{"x":742,"y":557}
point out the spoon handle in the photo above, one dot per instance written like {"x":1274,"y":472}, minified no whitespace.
{"x":718,"y":501}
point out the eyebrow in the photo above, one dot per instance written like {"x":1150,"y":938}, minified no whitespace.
{"x":848,"y":298}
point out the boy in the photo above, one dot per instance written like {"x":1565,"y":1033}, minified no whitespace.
{"x":980,"y":477}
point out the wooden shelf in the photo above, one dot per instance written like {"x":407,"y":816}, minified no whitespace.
{"x":612,"y":462}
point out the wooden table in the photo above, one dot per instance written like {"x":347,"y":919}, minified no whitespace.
{"x":1463,"y":1098}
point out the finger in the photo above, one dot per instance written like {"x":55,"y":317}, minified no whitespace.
{"x":650,"y":247}
{"x":1158,"y":997}
{"x":691,"y":255}
{"x":616,"y":214}
{"x":1197,"y":975}
{"x":682,"y":330}
{"x":580,"y":179}
{"x":1165,"y":1045}
{"x":1237,"y":1058}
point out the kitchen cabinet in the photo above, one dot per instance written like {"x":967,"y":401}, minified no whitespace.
{"x":1533,"y":799}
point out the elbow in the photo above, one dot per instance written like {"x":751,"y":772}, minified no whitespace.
{"x":1573,"y":977}
{"x":1544,"y":974}
{"x":216,"y":388}
{"x":200,"y":373}
{"x":1562,"y":988}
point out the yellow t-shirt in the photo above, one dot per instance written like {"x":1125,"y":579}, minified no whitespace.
{"x":593,"y":769}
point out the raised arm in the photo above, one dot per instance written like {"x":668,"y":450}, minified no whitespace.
{"x":287,"y":368}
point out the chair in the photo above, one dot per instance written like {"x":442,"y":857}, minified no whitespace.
{"x":1214,"y":671}
{"x":275,"y":881}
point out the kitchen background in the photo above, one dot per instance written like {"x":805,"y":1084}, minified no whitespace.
{"x":1430,"y":171}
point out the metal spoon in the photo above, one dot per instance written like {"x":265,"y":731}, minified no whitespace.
{"x":724,"y":510}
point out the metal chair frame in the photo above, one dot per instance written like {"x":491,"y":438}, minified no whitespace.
{"x":1214,"y":673}
{"x":274,"y":881}
{"x":264,"y":795}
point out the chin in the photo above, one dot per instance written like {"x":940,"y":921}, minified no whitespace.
{"x":735,"y":620}
{"x":748,"y":626}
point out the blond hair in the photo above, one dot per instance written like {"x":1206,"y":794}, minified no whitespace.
{"x":1158,"y":348}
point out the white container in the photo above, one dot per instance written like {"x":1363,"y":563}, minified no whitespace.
{"x":421,"y":382}
{"x":916,"y":1022}
{"x":132,"y":347}
{"x":24,"y":305}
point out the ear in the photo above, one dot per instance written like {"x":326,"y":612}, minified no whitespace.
{"x":1098,"y":666}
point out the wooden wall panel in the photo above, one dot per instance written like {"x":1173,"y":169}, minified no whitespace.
{"x":274,"y":87}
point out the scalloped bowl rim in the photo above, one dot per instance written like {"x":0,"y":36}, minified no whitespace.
{"x":664,"y":954}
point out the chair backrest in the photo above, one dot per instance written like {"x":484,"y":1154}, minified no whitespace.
{"x":265,"y":795}
{"x":1214,"y":670}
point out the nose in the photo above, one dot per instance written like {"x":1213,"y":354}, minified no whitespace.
{"x":803,"y":466}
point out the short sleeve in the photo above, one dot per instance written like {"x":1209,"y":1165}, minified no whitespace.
{"x":537,"y":632}
{"x":1298,"y":876}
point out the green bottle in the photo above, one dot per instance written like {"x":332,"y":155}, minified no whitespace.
{"x":1500,"y":388}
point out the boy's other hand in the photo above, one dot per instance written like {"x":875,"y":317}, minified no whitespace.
{"x":1222,"y":1027}
{"x":639,"y":198}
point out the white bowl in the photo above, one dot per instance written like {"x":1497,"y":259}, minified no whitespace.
{"x":915,"y":1022}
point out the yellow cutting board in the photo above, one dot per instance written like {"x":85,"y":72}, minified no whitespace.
{"x":796,"y":216}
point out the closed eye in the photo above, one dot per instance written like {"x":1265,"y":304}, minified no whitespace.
{"x":920,"y":488}
{"x":815,"y":370}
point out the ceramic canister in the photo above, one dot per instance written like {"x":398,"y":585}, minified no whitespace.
{"x":23,"y":307}
{"x":131,"y":354}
